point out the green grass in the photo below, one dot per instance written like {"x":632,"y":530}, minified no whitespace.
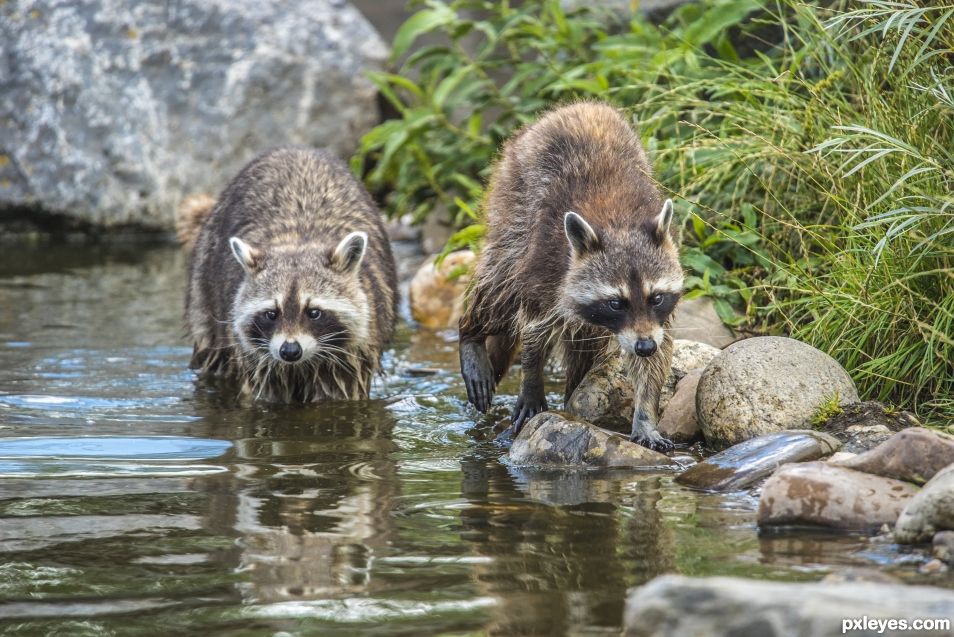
{"x":811,"y":152}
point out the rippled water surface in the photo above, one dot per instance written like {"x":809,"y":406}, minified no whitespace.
{"x":135,"y":501}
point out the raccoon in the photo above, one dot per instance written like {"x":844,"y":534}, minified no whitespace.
{"x":579,"y":257}
{"x":292,"y":285}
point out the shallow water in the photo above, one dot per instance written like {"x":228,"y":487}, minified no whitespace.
{"x":135,"y":501}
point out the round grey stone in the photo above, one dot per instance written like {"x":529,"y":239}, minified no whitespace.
{"x":766,"y":384}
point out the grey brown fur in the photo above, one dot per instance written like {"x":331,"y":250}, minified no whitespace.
{"x":586,"y":284}
{"x":292,"y":260}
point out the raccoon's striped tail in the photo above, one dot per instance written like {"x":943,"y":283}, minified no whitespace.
{"x":192,"y":213}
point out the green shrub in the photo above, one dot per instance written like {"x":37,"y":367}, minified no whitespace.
{"x":810,"y":151}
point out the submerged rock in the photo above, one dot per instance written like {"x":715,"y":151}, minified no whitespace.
{"x":605,"y":395}
{"x":437,"y":293}
{"x":679,"y":422}
{"x":679,"y":605}
{"x":555,"y":439}
{"x":748,"y":462}
{"x":929,"y":512}
{"x":913,"y":455}
{"x":112,"y":111}
{"x":819,"y":494}
{"x":765,"y":384}
{"x":865,"y":425}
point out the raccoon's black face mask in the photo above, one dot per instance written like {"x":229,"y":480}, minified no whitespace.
{"x":301,"y":306}
{"x":626,"y":280}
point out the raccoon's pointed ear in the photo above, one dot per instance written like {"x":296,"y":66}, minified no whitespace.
{"x":663,"y":219}
{"x":248,"y":257}
{"x":580,"y":234}
{"x":347,"y":256}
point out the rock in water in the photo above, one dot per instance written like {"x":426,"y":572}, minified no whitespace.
{"x":112,"y":111}
{"x":748,"y":462}
{"x":818,"y":494}
{"x":605,"y":395}
{"x":930,"y":511}
{"x":765,"y":384}
{"x":554,"y":439}
{"x":437,"y":293}
{"x":679,"y":605}
{"x":913,"y":455}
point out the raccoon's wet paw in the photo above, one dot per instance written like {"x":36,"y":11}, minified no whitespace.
{"x":526,"y":409}
{"x":478,"y":375}
{"x":652,"y":439}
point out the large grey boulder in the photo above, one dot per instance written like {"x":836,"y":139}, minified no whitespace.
{"x":766,"y":384}
{"x":679,"y":605}
{"x":111,"y":111}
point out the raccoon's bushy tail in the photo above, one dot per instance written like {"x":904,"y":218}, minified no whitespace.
{"x":190,"y":216}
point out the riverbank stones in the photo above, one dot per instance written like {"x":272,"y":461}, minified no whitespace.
{"x":437,"y":292}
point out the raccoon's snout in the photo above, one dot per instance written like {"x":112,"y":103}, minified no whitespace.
{"x":290,"y":351}
{"x":645,"y":347}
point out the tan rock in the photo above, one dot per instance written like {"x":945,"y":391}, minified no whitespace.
{"x":819,"y":494}
{"x":557,"y":439}
{"x":697,"y":320}
{"x":913,"y":455}
{"x":930,"y":511}
{"x":679,"y":422}
{"x":437,"y":293}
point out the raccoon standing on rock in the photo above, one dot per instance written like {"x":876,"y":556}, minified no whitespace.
{"x":292,"y":285}
{"x":579,"y":256}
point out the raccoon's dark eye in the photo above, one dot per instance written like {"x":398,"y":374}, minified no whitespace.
{"x":656,"y":300}
{"x":615,"y":304}
{"x":314,"y":314}
{"x":271,"y":315}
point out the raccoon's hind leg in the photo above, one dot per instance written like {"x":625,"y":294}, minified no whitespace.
{"x":532,"y":399}
{"x":648,"y":375}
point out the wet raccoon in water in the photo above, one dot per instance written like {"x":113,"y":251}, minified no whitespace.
{"x":579,"y":256}
{"x":292,"y":286}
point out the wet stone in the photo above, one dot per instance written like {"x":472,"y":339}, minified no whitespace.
{"x":679,"y":605}
{"x":865,"y":425}
{"x":555,"y":439}
{"x":914,"y":455}
{"x":748,"y":462}
{"x":819,"y":494}
{"x":929,"y":512}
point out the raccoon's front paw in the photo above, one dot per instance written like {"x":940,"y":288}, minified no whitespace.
{"x":646,"y":435}
{"x":478,"y":375}
{"x":527,"y":408}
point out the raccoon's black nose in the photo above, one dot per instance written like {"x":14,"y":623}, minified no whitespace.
{"x":645,"y":347}
{"x":290,"y":351}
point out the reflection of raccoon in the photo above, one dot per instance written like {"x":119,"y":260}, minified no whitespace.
{"x":292,"y":285}
{"x":578,"y":251}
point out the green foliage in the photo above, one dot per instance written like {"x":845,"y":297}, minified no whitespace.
{"x":831,"y":407}
{"x":810,"y":151}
